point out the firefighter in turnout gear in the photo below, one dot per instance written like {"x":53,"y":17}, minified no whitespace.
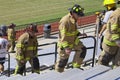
{"x":68,"y":39}
{"x":99,"y":20}
{"x":111,"y":41}
{"x":26,"y":50}
{"x":99,"y":25}
{"x":11,"y":37}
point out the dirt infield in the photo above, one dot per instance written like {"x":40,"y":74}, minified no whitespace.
{"x":54,"y":26}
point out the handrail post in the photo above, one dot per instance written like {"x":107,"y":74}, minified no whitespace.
{"x":94,"y":49}
{"x":55,"y":52}
{"x":25,"y":70}
{"x":94,"y":53}
{"x":8,"y":64}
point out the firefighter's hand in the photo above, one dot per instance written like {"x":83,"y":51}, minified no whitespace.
{"x":99,"y":35}
{"x":68,"y":50}
{"x":118,"y":43}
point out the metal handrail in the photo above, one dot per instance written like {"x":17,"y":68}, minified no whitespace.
{"x":8,"y":64}
{"x":50,"y":53}
{"x":94,"y":47}
{"x":46,"y":53}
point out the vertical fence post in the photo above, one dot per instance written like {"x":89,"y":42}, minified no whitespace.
{"x":94,"y":53}
{"x":55,"y":52}
{"x":8,"y":64}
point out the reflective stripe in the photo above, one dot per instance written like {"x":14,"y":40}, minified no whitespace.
{"x":16,"y":70}
{"x":28,"y":48}
{"x":65,"y":44}
{"x":19,"y":57}
{"x":74,"y":33}
{"x":115,"y":36}
{"x":27,"y":58}
{"x":31,"y":48}
{"x":109,"y":42}
{"x":20,"y":45}
{"x":75,"y":65}
{"x":77,"y":41}
{"x":114,"y":27}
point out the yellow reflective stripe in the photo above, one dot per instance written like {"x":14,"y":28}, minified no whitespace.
{"x":19,"y":45}
{"x":109,"y":42}
{"x":77,"y":41}
{"x":27,"y":58}
{"x":114,"y":27}
{"x":65,"y":44}
{"x":72,"y":33}
{"x":31,"y":48}
{"x":75,"y":65}
{"x":19,"y":57}
{"x":71,"y":45}
{"x":16,"y":70}
{"x":115,"y":36}
{"x":63,"y":31}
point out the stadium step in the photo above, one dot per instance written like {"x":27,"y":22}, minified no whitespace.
{"x":16,"y":77}
{"x":90,"y":73}
{"x":69,"y":74}
{"x":110,"y":75}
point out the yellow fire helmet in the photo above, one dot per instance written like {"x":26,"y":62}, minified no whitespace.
{"x":108,"y":2}
{"x":97,"y":13}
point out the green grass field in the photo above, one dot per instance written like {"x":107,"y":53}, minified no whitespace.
{"x":27,"y":11}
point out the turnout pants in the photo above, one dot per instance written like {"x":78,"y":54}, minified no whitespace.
{"x":20,"y":68}
{"x":108,"y":54}
{"x":80,"y":52}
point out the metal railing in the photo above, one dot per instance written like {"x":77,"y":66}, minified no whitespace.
{"x":92,"y":47}
{"x":55,"y":53}
{"x":46,"y":53}
{"x":55,"y":43}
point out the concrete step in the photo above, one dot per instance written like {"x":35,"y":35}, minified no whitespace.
{"x":110,"y":75}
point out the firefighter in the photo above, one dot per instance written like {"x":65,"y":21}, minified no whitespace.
{"x":68,"y":39}
{"x":11,"y":37}
{"x":99,"y":20}
{"x":110,"y":8}
{"x":111,"y":41}
{"x":26,"y":50}
{"x":99,"y":24}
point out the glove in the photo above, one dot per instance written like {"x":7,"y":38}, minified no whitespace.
{"x":68,"y":50}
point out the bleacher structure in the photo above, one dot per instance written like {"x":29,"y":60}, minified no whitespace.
{"x":48,"y":56}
